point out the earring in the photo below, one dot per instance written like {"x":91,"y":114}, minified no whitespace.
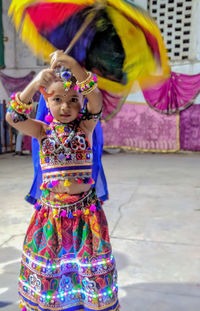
{"x":48,"y":117}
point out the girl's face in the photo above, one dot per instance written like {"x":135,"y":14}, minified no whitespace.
{"x":64,"y":105}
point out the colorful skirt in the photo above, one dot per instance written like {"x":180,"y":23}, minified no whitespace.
{"x":67,"y":261}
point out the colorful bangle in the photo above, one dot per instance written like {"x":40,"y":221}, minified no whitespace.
{"x":16,"y":117}
{"x":88,"y":85}
{"x":18,"y":100}
{"x":18,"y":106}
{"x":89,"y":76}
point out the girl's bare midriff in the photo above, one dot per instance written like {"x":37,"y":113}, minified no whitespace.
{"x":74,"y":188}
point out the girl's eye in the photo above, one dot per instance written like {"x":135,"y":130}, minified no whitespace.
{"x":57,"y":99}
{"x":74,"y":99}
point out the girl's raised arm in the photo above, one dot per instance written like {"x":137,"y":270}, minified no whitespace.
{"x":23,"y":100}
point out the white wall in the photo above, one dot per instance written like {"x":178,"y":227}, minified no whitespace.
{"x":19,"y":60}
{"x":141,"y":3}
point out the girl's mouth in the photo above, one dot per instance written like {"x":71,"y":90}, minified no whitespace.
{"x":66,"y":115}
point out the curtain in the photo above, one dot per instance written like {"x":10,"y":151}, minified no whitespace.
{"x":12,"y":84}
{"x":175,"y":94}
{"x":137,"y":127}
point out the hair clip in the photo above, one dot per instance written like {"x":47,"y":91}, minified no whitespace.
{"x":66,"y":76}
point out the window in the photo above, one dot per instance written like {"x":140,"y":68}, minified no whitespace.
{"x":175,"y":18}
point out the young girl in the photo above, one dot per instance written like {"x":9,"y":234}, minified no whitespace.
{"x":67,"y":261}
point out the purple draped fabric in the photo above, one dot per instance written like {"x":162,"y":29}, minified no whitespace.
{"x":190,"y":128}
{"x":137,"y":127}
{"x":12,"y":84}
{"x":175,"y":94}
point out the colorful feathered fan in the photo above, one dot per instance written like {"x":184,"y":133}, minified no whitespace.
{"x":115,"y":39}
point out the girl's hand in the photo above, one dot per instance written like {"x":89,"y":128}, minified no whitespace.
{"x":59,"y":59}
{"x":44,"y":79}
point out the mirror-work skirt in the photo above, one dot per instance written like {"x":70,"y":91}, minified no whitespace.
{"x":67,"y":262}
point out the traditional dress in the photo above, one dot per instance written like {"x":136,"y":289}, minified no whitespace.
{"x":67,"y":261}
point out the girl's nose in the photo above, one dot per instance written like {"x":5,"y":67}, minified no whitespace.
{"x":65,"y":105}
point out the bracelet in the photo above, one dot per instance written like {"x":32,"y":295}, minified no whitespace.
{"x":16,"y":117}
{"x":18,"y":106}
{"x":89,"y":76}
{"x":18,"y":100}
{"x":86,"y":115}
{"x":88,"y":85}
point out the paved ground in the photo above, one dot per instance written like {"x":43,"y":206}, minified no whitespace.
{"x":154,"y":218}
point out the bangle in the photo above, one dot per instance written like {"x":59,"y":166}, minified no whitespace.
{"x":18,"y":100}
{"x":89,"y":76}
{"x":16,"y":117}
{"x":18,"y":106}
{"x":88,"y":85}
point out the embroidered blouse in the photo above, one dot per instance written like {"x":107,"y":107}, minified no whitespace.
{"x":65,"y":152}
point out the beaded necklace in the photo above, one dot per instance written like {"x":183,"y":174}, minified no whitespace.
{"x":71,"y":126}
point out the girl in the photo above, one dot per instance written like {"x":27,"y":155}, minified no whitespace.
{"x":67,"y":261}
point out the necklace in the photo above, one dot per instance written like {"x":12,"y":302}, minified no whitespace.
{"x":71,"y":130}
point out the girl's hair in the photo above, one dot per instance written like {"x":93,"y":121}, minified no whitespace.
{"x":73,"y":79}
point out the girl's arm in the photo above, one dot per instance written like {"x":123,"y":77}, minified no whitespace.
{"x":32,"y":127}
{"x":94,"y":98}
{"x":29,"y":127}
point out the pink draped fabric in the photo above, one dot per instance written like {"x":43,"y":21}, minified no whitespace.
{"x":190,"y":128}
{"x":175,"y":94}
{"x":111,"y":104}
{"x":138,"y":127}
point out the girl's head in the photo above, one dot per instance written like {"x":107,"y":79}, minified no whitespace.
{"x":64,"y":105}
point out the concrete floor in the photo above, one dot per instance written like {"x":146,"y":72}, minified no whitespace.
{"x":154,"y":219}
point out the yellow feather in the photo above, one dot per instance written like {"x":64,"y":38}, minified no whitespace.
{"x":40,"y":46}
{"x":149,"y":24}
{"x":139,"y":60}
{"x":112,"y":86}
{"x":17,"y":9}
{"x":80,"y":2}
